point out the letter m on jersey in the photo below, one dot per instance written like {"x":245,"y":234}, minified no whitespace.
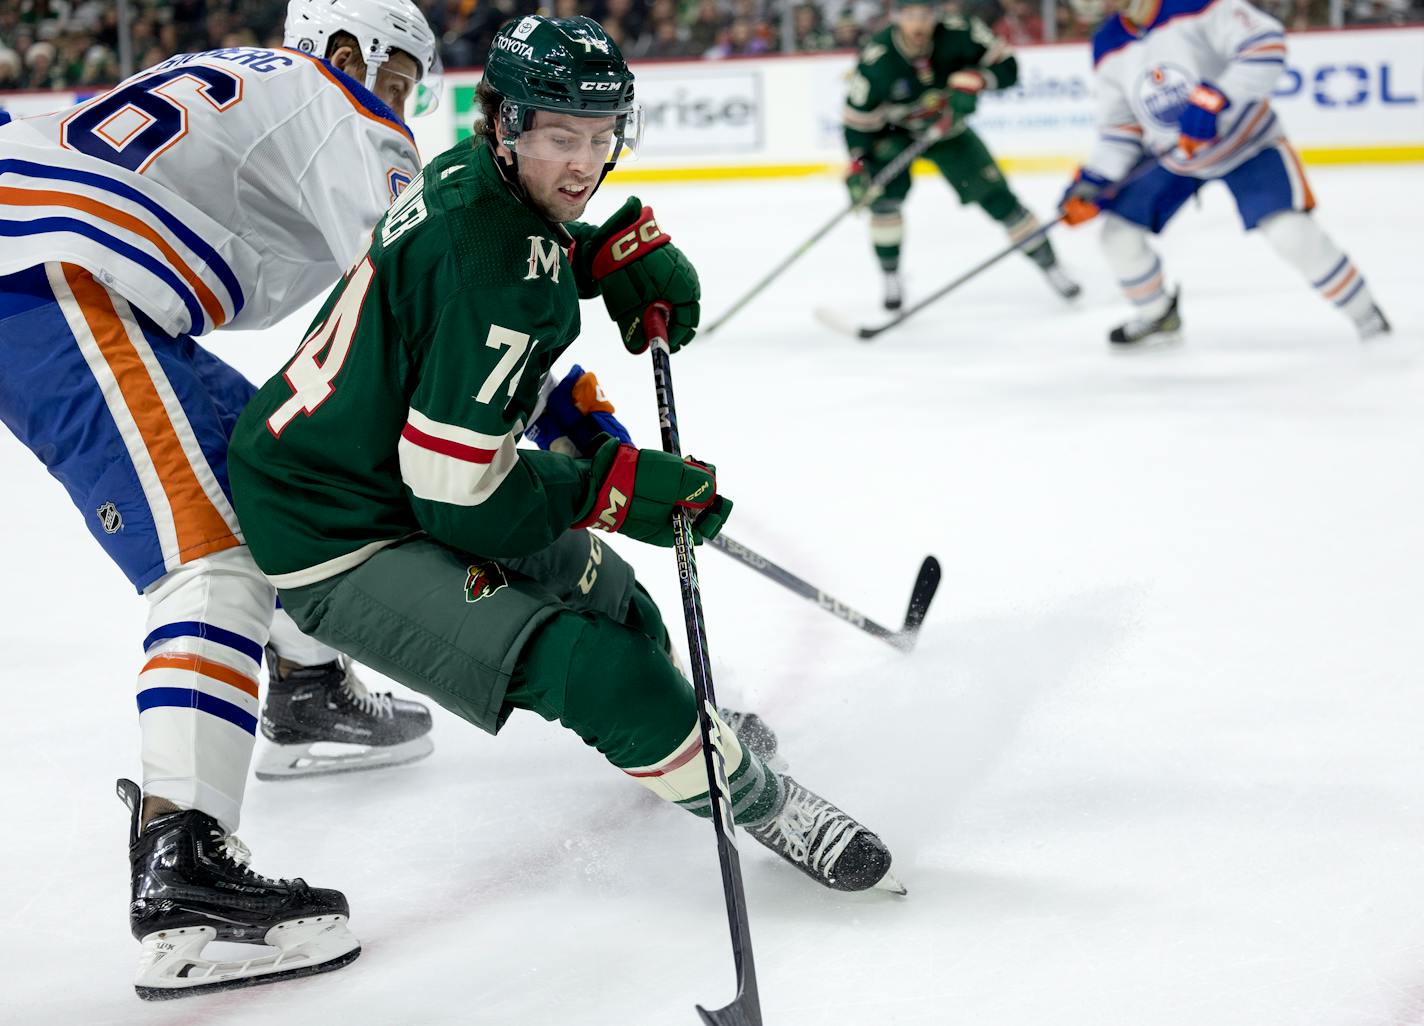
{"x":542,"y":258}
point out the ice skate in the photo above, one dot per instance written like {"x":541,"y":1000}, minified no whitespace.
{"x":1150,"y":334}
{"x":1061,"y":283}
{"x":191,"y":885}
{"x":826,"y":844}
{"x":894,"y":291}
{"x":1373,"y":325}
{"x":753,"y":733}
{"x":321,"y":719}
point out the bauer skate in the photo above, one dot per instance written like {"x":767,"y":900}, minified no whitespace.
{"x":321,"y":719}
{"x":826,"y":844}
{"x":191,"y":885}
{"x":894,"y":291}
{"x":1165,"y":330}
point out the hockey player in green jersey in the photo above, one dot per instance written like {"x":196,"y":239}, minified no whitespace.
{"x":381,"y":489}
{"x":924,"y":74}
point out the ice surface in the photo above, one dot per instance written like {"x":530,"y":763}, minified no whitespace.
{"x":1157,"y":760}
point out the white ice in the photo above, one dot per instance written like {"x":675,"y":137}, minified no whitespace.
{"x":1157,"y":761}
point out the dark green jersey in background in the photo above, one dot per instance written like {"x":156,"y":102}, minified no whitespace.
{"x":893,"y":93}
{"x":401,"y":410}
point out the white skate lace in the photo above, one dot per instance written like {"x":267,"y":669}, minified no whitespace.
{"x":378,"y":704}
{"x":230,"y":846}
{"x":806,"y":821}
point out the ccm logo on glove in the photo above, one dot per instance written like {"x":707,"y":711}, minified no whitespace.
{"x":630,"y":245}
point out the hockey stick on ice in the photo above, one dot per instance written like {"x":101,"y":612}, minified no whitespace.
{"x":835,"y":322}
{"x":745,"y":1009}
{"x":887,"y":174}
{"x":923,"y":592}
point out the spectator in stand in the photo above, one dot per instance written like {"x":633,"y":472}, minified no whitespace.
{"x":627,"y":18}
{"x":810,"y":32}
{"x":1020,"y":23}
{"x":740,"y":40}
{"x":705,"y":29}
{"x":40,"y":69}
{"x":847,"y":32}
{"x":11,"y":68}
{"x":101,"y":67}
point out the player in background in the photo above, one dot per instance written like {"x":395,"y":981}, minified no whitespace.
{"x":467,"y":572}
{"x":918,"y":72}
{"x":1186,"y":84}
{"x":214,"y":190}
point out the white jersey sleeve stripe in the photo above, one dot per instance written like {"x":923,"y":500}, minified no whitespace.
{"x":447,"y":463}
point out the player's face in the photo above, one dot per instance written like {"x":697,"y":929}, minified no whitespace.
{"x":916,"y":24}
{"x":395,"y":81}
{"x":560,"y":159}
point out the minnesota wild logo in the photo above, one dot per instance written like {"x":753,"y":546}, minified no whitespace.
{"x":483,"y":579}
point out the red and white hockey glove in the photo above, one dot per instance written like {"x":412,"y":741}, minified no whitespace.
{"x":638,"y":491}
{"x":1198,"y":120}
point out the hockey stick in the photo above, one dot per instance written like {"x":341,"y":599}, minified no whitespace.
{"x":923,"y":592}
{"x":887,"y":174}
{"x":836,"y":323}
{"x":745,"y":1009}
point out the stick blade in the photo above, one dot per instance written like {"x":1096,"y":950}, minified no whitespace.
{"x":738,"y":1013}
{"x":921,"y":595}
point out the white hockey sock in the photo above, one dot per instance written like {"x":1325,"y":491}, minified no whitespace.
{"x":1138,"y":269}
{"x":1303,"y":244}
{"x":293,"y":645}
{"x":887,"y":228}
{"x":197,"y":691}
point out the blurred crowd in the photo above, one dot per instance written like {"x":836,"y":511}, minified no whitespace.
{"x":66,"y":44}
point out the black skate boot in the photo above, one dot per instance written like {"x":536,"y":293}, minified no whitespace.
{"x":321,"y":719}
{"x":894,"y":291}
{"x":826,"y":844}
{"x":1145,"y":334}
{"x":191,"y":885}
{"x":752,"y":732}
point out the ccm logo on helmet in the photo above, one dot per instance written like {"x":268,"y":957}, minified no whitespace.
{"x":626,"y":245}
{"x":601,"y":87}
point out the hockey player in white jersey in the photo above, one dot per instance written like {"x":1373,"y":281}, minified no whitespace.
{"x":214,"y":190}
{"x":1186,"y":85}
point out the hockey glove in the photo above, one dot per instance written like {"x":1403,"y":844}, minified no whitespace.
{"x":964,"y":89}
{"x":632,"y":263}
{"x":1198,"y":120}
{"x":638,"y":490}
{"x":1083,"y":199}
{"x":857,"y":180}
{"x":577,"y":417}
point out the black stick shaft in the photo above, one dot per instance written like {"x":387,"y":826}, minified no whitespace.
{"x":745,"y":1009}
{"x":973,"y":272}
{"x":805,"y":589}
{"x":887,"y":174}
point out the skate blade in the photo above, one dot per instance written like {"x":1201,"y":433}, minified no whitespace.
{"x":888,"y":882}
{"x":1152,"y":344}
{"x":291,"y":762}
{"x":172,"y":966}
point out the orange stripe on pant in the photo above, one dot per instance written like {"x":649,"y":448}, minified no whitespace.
{"x":199,"y":526}
{"x":45,"y":198}
{"x":206,"y":667}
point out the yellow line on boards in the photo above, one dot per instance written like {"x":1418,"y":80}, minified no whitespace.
{"x":1055,"y":162}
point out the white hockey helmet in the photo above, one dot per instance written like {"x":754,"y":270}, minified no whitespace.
{"x":380,"y":26}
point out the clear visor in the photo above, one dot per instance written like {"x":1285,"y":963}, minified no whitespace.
{"x":414,"y":95}
{"x":567,"y":139}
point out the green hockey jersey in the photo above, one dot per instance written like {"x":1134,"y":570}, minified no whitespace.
{"x":892,"y":92}
{"x":401,"y":409}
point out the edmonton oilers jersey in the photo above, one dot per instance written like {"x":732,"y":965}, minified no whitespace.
{"x":1145,"y":78}
{"x":213,"y":189}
